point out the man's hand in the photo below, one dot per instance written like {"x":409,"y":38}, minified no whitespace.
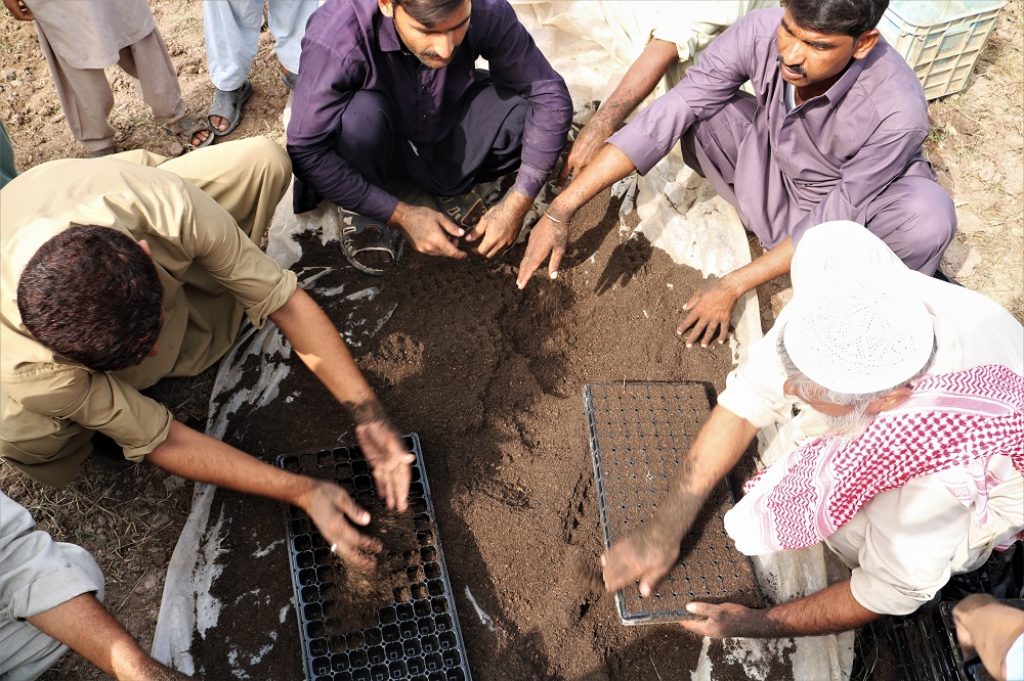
{"x":334,"y":512}
{"x":19,"y":10}
{"x":500,"y":226}
{"x":590,"y":140}
{"x":548,"y":239}
{"x":727,"y":620}
{"x":987,"y":627}
{"x":646,"y":555}
{"x":428,"y":231}
{"x":710,"y":310}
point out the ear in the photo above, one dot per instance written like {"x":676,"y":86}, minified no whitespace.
{"x":890,"y":400}
{"x":862,"y":46}
{"x":145,"y":248}
{"x":386,"y":8}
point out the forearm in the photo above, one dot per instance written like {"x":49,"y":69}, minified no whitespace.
{"x":199,"y":457}
{"x":721,"y":442}
{"x":773,"y":263}
{"x":84,"y":625}
{"x":609,"y":166}
{"x":317,"y":343}
{"x":829,"y":611}
{"x":640,"y":80}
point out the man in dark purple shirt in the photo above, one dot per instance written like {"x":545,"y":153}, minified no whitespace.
{"x":389,"y":91}
{"x":833,"y":132}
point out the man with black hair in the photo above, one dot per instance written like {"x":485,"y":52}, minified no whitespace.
{"x":833,"y":132}
{"x":121,"y":271}
{"x":388,"y":91}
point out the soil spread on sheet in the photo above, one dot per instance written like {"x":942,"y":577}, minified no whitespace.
{"x":492,"y":378}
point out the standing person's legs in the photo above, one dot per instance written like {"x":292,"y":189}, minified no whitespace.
{"x":231,"y":29}
{"x":915,"y":217}
{"x":711,"y":145}
{"x":86,"y":99}
{"x":246,"y":177}
{"x":147,"y":61}
{"x":287,"y":21}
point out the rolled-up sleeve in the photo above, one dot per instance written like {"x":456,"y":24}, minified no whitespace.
{"x":910,"y":539}
{"x":516,"y":63}
{"x":722,"y":68}
{"x":212,"y":238}
{"x":36,"y":573}
{"x":329,"y":79}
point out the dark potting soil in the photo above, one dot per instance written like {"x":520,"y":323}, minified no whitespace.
{"x":491,"y":378}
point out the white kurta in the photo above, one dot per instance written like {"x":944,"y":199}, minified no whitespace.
{"x":905,"y":543}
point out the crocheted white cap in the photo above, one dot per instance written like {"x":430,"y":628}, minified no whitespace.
{"x":859,"y":338}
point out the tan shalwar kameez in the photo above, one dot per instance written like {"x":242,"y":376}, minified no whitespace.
{"x":80,"y":38}
{"x":190,"y":211}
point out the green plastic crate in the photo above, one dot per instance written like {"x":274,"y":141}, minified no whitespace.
{"x":940,"y":39}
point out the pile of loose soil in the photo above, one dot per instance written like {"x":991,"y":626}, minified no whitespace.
{"x":491,"y":378}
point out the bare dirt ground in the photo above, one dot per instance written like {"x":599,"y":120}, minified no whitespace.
{"x":131,"y":519}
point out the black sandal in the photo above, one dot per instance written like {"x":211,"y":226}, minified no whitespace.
{"x":372,"y":247}
{"x":465,"y":210}
{"x":228,"y":104}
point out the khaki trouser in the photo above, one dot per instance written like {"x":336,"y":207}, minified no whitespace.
{"x":86,"y":97}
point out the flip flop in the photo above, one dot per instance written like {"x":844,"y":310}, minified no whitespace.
{"x":228,"y":104}
{"x":186,"y":127}
{"x":369,"y":245}
{"x":465,"y":210}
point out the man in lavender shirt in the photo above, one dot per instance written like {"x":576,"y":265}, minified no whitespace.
{"x":833,"y":132}
{"x":388,"y":90}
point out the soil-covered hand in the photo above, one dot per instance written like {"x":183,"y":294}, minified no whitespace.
{"x":19,"y":10}
{"x":988,"y":628}
{"x":389,"y":460}
{"x":429,"y":231}
{"x":334,"y":512}
{"x":726,"y":620}
{"x":548,"y":238}
{"x":646,"y":555}
{"x":590,"y":140}
{"x":501,"y":224}
{"x":710,"y":310}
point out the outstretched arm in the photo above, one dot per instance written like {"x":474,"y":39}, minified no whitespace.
{"x":641,"y":78}
{"x":829,"y":611}
{"x":320,"y":347}
{"x":648,"y":554}
{"x":83,"y":624}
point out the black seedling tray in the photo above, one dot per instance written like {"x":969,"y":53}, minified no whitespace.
{"x":639,"y":432}
{"x":417,"y":636}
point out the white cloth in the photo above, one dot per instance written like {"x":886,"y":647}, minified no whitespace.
{"x":1015,"y":660}
{"x":36,"y":574}
{"x":232,"y":32}
{"x":905,"y":543}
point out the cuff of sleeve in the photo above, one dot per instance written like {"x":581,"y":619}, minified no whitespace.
{"x":884,"y":598}
{"x":529,"y":180}
{"x":50,"y":590}
{"x":377,"y":204}
{"x":653,"y":133}
{"x":137,"y":454}
{"x":279,"y":295}
{"x":746,"y":405}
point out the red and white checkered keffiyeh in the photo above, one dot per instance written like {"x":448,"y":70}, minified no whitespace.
{"x":958,"y":419}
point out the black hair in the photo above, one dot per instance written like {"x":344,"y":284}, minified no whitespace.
{"x":840,"y":17}
{"x":429,"y":12}
{"x":92,"y":295}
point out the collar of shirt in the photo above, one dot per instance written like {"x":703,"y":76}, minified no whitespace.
{"x":387,"y":35}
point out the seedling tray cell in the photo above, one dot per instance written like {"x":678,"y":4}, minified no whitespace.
{"x":417,"y":635}
{"x":639,"y":433}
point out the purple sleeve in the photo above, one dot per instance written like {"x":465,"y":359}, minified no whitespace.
{"x":327,"y":82}
{"x":516,"y":63}
{"x":729,"y":61}
{"x":881,"y":160}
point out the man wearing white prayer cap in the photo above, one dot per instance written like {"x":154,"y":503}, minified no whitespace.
{"x":912,"y":400}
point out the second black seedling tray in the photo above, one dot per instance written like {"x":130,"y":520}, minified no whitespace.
{"x":638,"y":434}
{"x":417,"y":635}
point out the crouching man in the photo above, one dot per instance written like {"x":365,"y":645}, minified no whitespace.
{"x":116,"y":274}
{"x":917,"y":469}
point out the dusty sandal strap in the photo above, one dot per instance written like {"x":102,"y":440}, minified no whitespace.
{"x":465,"y":210}
{"x":368,"y":245}
{"x":228,"y":104}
